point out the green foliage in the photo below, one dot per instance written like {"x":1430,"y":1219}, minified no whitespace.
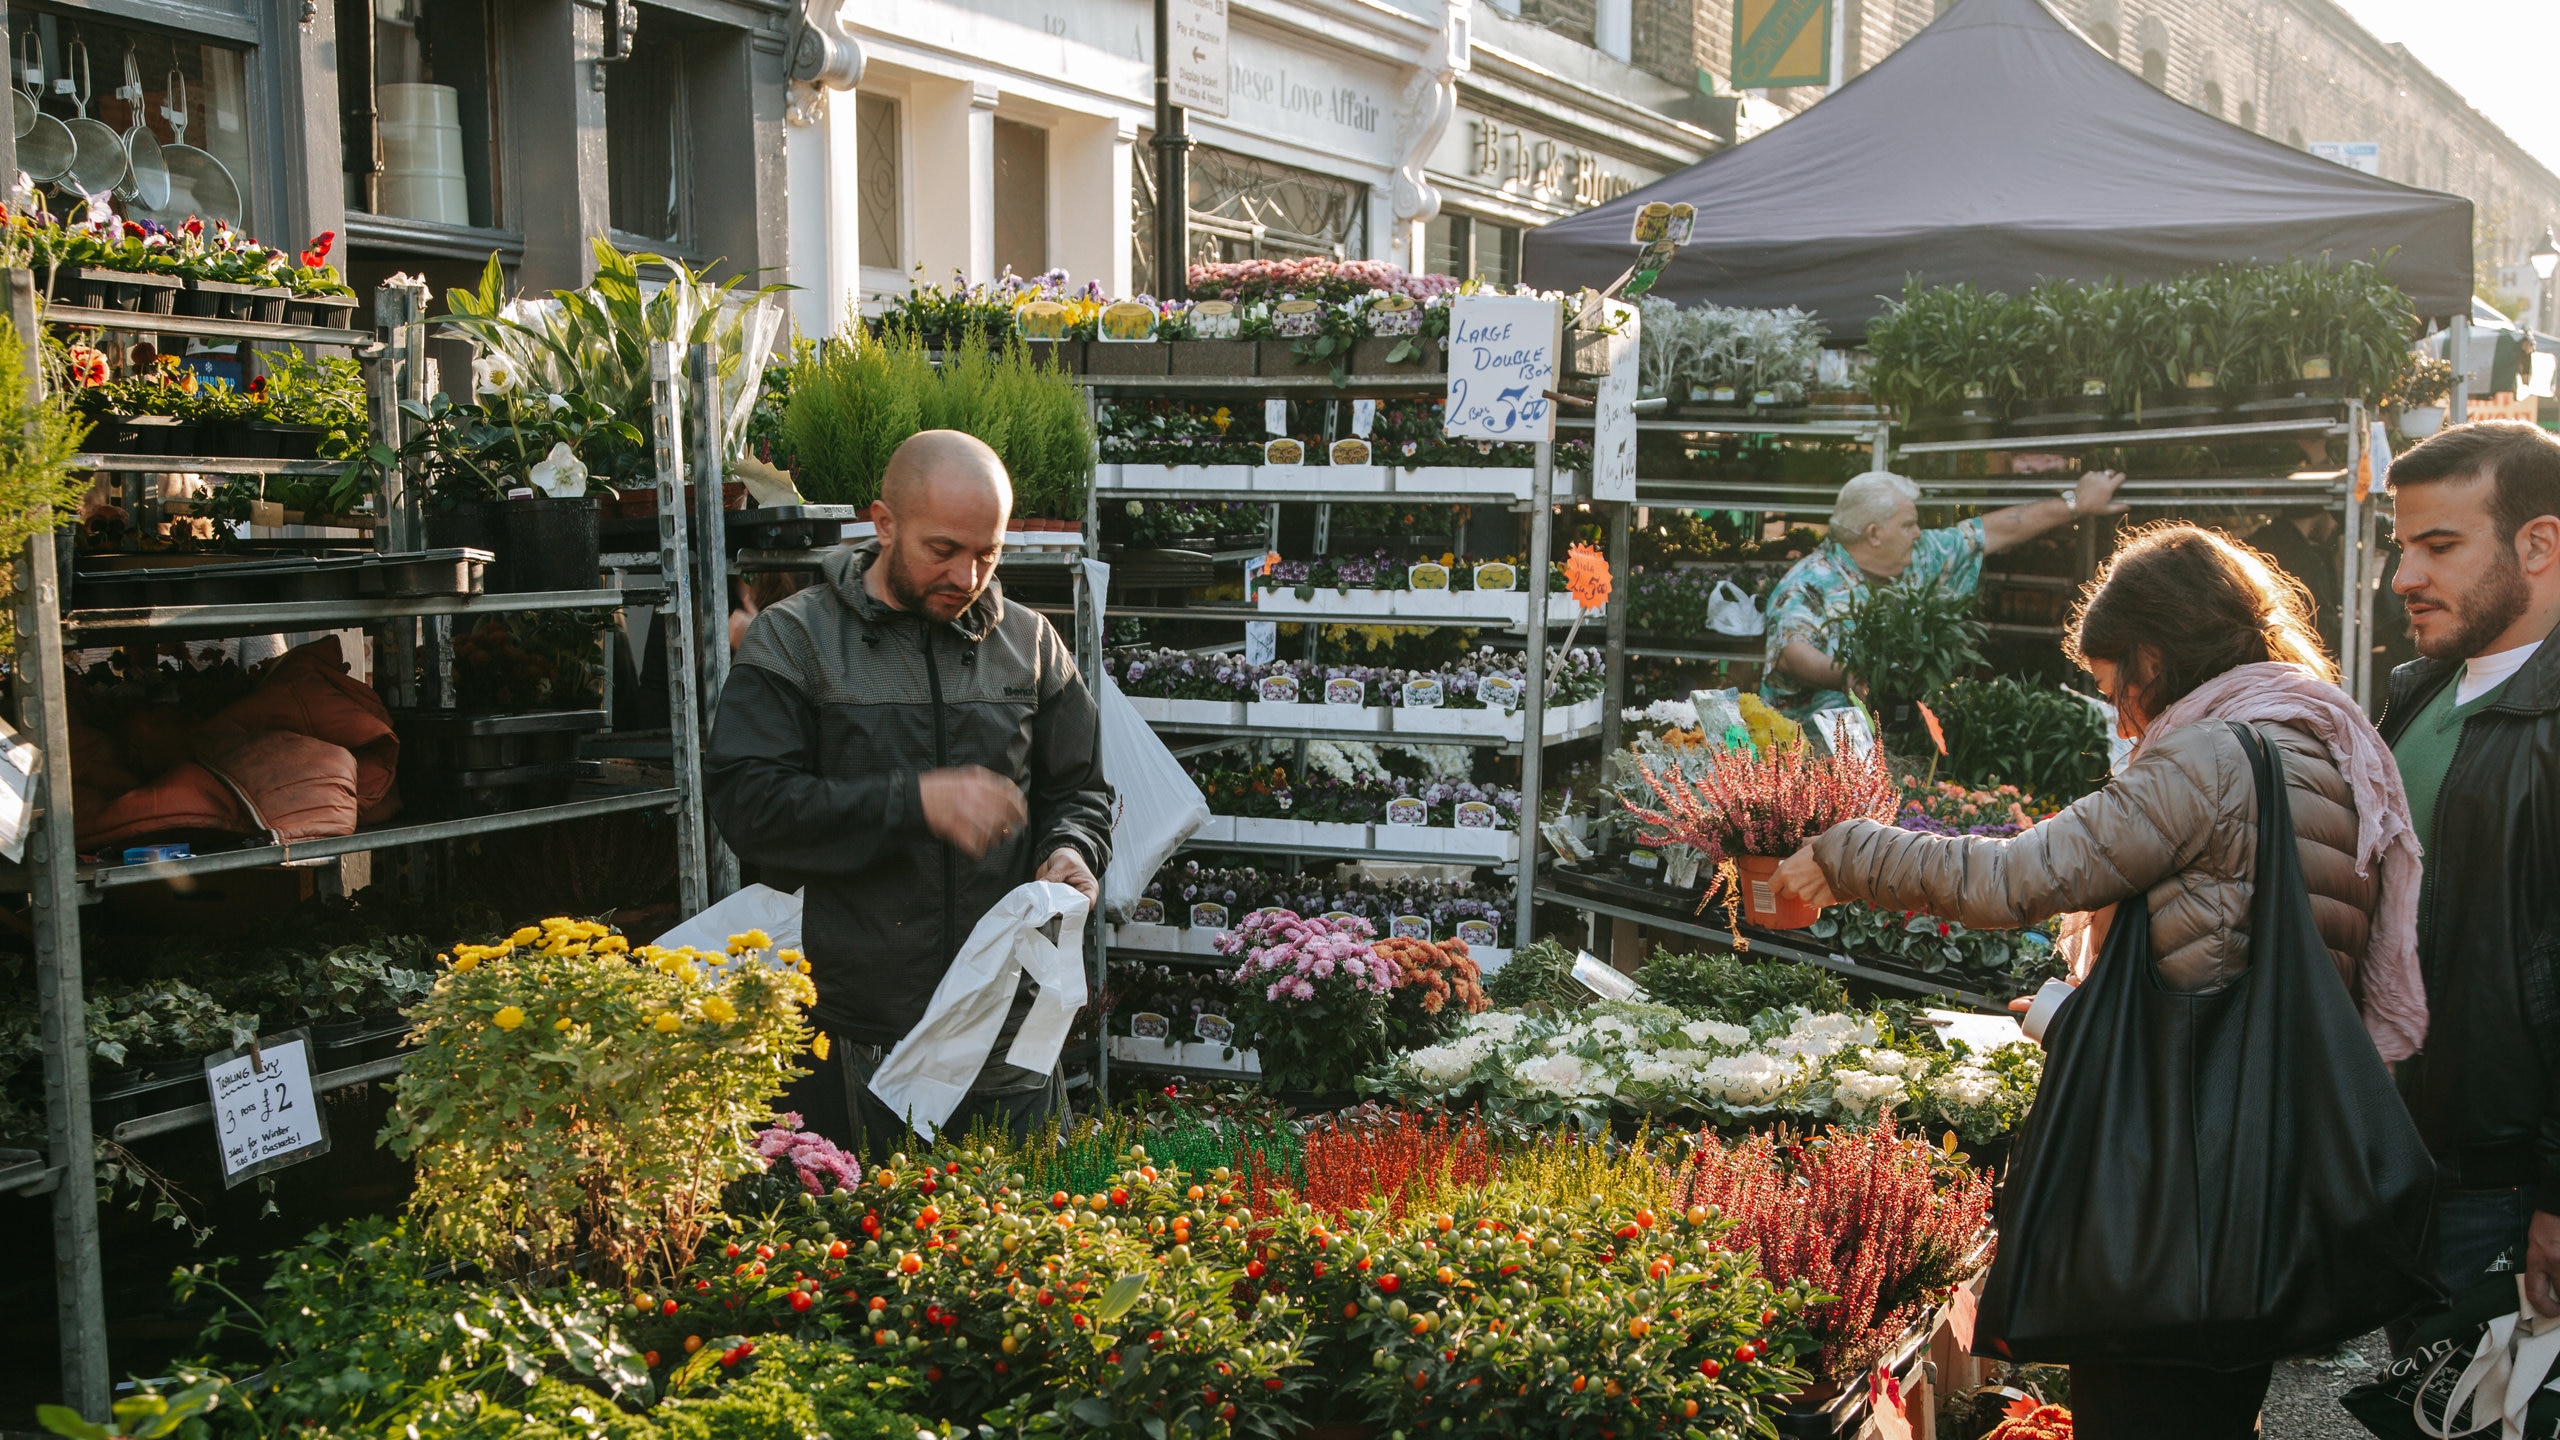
{"x":1940,"y":345}
{"x":1998,"y":962}
{"x":595,"y":341}
{"x":39,"y":433}
{"x":1906,"y":643}
{"x":2004,"y":731}
{"x":1539,"y":976}
{"x":855,"y":399}
{"x":1734,"y":989}
{"x":567,"y":1094}
{"x":788,"y":1389}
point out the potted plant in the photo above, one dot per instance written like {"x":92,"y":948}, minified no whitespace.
{"x":1948,"y":356}
{"x":1209,"y":340}
{"x":2422,"y":394}
{"x":1901,"y":644}
{"x":318,"y":294}
{"x":1754,"y":807}
{"x":2069,"y":336}
{"x":1314,"y":991}
{"x":2192,"y":320}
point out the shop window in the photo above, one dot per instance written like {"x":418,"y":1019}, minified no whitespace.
{"x":1243,"y":209}
{"x":2155,"y":69}
{"x":1472,"y":248}
{"x":413,"y":110}
{"x":1021,"y":197}
{"x":2213,"y":98}
{"x":647,"y":159}
{"x":216,"y":177}
{"x":2248,"y":116}
{"x":881,"y":177}
{"x":2294,"y":139}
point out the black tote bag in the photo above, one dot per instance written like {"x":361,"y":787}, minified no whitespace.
{"x":2221,"y":1179}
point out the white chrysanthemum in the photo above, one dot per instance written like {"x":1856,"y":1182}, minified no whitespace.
{"x":1717,"y":1032}
{"x":1861,"y":1093}
{"x":1750,"y":1079}
{"x":1888,"y":1062}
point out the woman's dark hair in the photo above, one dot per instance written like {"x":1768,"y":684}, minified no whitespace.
{"x":2179,"y":604}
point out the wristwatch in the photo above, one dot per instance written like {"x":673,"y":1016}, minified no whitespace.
{"x":2071,"y":499}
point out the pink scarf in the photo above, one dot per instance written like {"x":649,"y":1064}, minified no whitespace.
{"x":2395,"y":997}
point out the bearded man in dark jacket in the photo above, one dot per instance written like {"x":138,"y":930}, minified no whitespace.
{"x":909,"y":748}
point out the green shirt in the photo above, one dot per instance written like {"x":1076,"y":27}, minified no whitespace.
{"x":2425,"y":752}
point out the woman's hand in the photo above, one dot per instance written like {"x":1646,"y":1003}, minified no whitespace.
{"x":1799,"y":877}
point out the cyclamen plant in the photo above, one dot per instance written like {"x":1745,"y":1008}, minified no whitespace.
{"x":1313,"y":991}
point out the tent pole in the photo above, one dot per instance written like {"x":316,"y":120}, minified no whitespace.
{"x":2458,"y":350}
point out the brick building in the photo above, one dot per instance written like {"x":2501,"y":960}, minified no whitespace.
{"x":2298,"y":71}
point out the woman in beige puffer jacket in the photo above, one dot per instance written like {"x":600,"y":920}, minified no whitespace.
{"x":2188,"y":632}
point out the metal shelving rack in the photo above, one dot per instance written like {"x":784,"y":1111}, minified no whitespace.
{"x":405,"y":630}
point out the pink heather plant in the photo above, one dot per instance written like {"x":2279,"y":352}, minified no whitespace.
{"x":813,"y":1157}
{"x":1313,"y":991}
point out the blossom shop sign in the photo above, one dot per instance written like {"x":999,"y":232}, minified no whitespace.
{"x":1531,"y":166}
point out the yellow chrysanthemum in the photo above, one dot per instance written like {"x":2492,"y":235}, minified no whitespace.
{"x":819,"y":1046}
{"x":525,"y":936}
{"x":719,"y":1010}
{"x":613,"y":945}
{"x":563,"y":1023}
{"x":753,"y":940}
{"x":667,"y":1023}
{"x":466,"y":962}
{"x":508,"y":1017}
{"x":787,"y":957}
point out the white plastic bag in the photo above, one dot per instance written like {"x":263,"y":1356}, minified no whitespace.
{"x":758,"y":907}
{"x":1154,"y":804}
{"x":926,"y":1077}
{"x":1730,"y":611}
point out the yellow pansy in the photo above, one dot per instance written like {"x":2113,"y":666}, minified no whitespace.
{"x":508,"y":1017}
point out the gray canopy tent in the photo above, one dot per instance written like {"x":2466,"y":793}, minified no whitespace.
{"x":2000,"y":147}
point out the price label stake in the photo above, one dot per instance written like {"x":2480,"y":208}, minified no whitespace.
{"x":265,"y":1113}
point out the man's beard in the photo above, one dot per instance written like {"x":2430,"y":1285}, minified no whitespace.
{"x":917,"y":599}
{"x":2482,"y":614}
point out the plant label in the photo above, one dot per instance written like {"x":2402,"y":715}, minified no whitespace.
{"x":1349,"y":452}
{"x":1146,"y":912}
{"x":1364,"y":417}
{"x":17,"y":785}
{"x":1410,"y":927}
{"x":266,"y":512}
{"x":1405,"y":810}
{"x":1662,"y":220}
{"x":1477,"y":815}
{"x":1275,"y":417}
{"x":1502,"y":363}
{"x":1261,"y":641}
{"x":1429,"y":575}
{"x":1040,"y":320}
{"x":1499,"y":692}
{"x":1215,"y":320}
{"x":1283,"y":452}
{"x":1126,"y":322}
{"x":1297,"y":319}
{"x":1148,"y":1025}
{"x":1208,"y":917}
{"x":1479,"y":934}
{"x":1643,"y":859}
{"x":1340,"y":691}
{"x":266,"y":1115}
{"x":1395,"y":315}
{"x":1844,"y":729}
{"x":1680,"y":865}
{"x":1215,"y":1029}
{"x":1278,"y":690}
{"x":1341,"y":917}
{"x":1497,"y":575}
{"x":1422,"y":695}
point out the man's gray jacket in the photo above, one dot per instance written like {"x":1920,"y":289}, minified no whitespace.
{"x":836,"y":704}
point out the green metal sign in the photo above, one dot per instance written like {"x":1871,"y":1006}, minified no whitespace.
{"x":1781,"y":42}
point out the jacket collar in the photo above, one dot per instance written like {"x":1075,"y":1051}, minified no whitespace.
{"x":845,"y":567}
{"x":2532,"y":690}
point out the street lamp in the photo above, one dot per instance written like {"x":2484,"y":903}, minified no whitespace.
{"x":2546,"y":259}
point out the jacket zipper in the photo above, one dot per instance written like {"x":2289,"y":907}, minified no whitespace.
{"x":941,"y":759}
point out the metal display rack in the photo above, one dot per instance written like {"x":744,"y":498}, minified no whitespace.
{"x":405,"y":630}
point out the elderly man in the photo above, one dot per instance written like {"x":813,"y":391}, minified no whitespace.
{"x":1876,"y":539}
{"x":909,"y":748}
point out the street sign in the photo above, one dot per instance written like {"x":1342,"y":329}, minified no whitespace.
{"x":1781,"y":42}
{"x":1196,"y":54}
{"x":2363,"y":155}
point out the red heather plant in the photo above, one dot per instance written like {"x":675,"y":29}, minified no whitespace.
{"x":1870,"y":1216}
{"x":1393,"y":1162}
{"x":1766,"y":802}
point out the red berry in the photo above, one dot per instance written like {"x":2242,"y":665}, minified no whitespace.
{"x":1389,"y":1284}
{"x":933,"y":1374}
{"x":1048,"y":1299}
{"x":1710,"y":1369}
{"x":837,"y":1251}
{"x":651,"y":1356}
{"x":1119,"y":1196}
{"x":928,"y":1216}
{"x":1253,"y":1269}
{"x":1272,"y":1384}
{"x":701,"y":1285}
{"x":1058,"y":1201}
{"x":764,"y":1252}
{"x":666,"y":1307}
{"x":1745,"y":1352}
{"x":731,"y":1252}
{"x":800,"y":1300}
{"x":1227,"y":1411}
{"x":1644,"y":1218}
{"x":1768,"y":1318}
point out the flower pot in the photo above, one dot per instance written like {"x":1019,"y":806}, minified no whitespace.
{"x":214,"y":299}
{"x":2290,"y":399}
{"x":1211,"y":357}
{"x":2060,"y":415}
{"x":1761,"y":904}
{"x":541,"y":544}
{"x":1274,"y":358}
{"x":263,"y":303}
{"x":1369,"y":356}
{"x":162,"y":435}
{"x":1139,"y":357}
{"x":100,"y":288}
{"x":329,"y":312}
{"x":2421,"y":422}
{"x":282,"y":442}
{"x":2186,"y":406}
{"x":1968,"y":420}
{"x":1064,"y":356}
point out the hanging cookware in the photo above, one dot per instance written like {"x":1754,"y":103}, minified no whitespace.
{"x":44,"y":146}
{"x":22,"y":108}
{"x":98,"y":161}
{"x":199,"y":184}
{"x":146,"y":176}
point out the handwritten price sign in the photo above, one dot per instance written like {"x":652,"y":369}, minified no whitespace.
{"x":265,"y":1113}
{"x":1502,"y":363}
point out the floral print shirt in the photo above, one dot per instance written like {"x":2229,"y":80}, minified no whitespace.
{"x":1827,"y":582}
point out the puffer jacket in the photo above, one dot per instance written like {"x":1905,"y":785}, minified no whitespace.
{"x":2179,"y":827}
{"x":836,"y":706}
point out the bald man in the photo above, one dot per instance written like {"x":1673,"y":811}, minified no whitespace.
{"x":909,"y":748}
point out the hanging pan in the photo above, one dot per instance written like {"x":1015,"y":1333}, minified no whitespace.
{"x":44,"y":147}
{"x":199,"y":184}
{"x":98,"y":161}
{"x":146,"y":176}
